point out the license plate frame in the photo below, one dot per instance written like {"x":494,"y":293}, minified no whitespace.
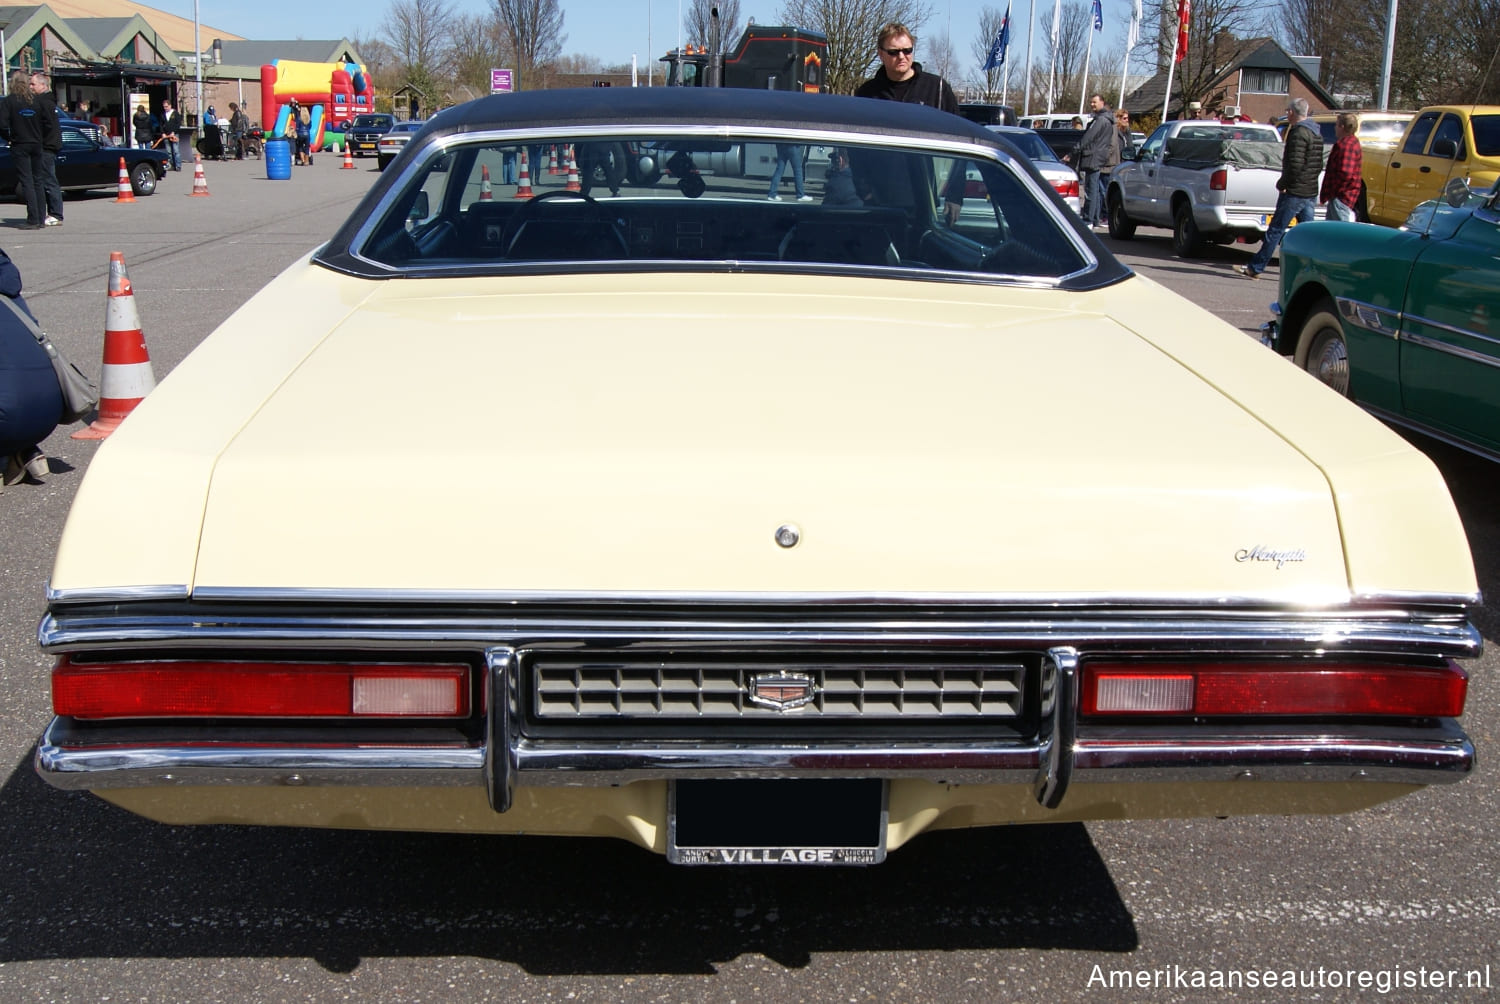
{"x":777,"y":821}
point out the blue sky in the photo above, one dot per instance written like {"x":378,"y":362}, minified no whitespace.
{"x":612,"y":30}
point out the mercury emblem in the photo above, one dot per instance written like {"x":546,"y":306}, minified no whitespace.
{"x":787,"y":535}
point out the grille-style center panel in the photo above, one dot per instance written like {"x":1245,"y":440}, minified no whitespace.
{"x":736,"y":689}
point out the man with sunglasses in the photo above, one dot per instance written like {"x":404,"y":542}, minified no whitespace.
{"x":901,"y":78}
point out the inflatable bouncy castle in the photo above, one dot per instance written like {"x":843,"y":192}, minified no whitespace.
{"x":332,"y":92}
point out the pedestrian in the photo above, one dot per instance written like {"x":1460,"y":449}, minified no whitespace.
{"x":171,"y":125}
{"x":31,"y":401}
{"x":1342,"y":179}
{"x":51,"y":147}
{"x":838,"y":188}
{"x":901,"y":78}
{"x":141,"y":120}
{"x":239,"y":126}
{"x":304,"y":135}
{"x":1301,"y":163}
{"x":289,"y":131}
{"x":788,"y":153}
{"x":1097,"y":151}
{"x":25,"y":124}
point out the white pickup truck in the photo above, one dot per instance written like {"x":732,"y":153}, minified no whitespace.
{"x":1207,"y":181}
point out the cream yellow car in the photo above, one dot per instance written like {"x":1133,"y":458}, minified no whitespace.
{"x":748,"y":527}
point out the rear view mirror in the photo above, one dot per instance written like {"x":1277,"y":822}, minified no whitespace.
{"x":1444,"y":148}
{"x":1456,"y":192}
{"x":419,"y":210}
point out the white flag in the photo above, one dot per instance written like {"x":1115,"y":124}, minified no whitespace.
{"x":1056,"y":26}
{"x":1133,"y":33}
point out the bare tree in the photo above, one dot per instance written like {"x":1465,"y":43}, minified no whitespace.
{"x":992,"y":82}
{"x":695,"y":23}
{"x":480,"y":43}
{"x":535,"y":30}
{"x":420,"y":33}
{"x":941,"y":58}
{"x":851,"y":26}
{"x":1215,"y":29}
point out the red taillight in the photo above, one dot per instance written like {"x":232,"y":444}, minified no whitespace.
{"x":194,"y":689}
{"x":1219,"y":180}
{"x":1068,"y":189}
{"x":1273,"y":688}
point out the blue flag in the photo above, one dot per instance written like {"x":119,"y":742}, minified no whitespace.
{"x":996,"y":59}
{"x":1098,"y":16}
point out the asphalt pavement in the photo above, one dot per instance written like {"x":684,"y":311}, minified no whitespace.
{"x":96,"y":904}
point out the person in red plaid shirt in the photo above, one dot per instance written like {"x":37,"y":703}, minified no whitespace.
{"x":1341,"y":179}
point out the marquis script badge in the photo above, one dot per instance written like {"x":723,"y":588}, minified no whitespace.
{"x":782,"y":691}
{"x":1274,"y":554}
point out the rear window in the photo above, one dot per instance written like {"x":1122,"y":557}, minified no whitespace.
{"x":668,"y":202}
{"x":1486,"y":135}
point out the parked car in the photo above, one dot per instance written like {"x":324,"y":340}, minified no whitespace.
{"x":1378,"y":130}
{"x":986,"y":113}
{"x":1207,"y":181}
{"x":84,"y":163}
{"x":393,"y":142}
{"x":1440,"y":144}
{"x":365,"y":132}
{"x":1062,"y":178}
{"x":761,"y":531}
{"x":1398,"y":320}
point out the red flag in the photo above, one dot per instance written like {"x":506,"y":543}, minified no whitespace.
{"x":1184,"y":20}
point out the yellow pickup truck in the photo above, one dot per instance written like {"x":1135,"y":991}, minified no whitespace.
{"x":1440,"y":143}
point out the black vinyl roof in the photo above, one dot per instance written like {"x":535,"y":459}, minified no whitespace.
{"x":727,"y":106}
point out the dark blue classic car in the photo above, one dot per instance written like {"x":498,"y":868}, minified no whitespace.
{"x":86,"y":162}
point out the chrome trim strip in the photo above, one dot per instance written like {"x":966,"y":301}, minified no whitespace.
{"x":1328,"y":758}
{"x":1304,"y":600}
{"x":1383,"y":632}
{"x":1406,"y":422}
{"x":1058,"y":728}
{"x":1370,"y":317}
{"x":1453,"y":350}
{"x":118,"y":594}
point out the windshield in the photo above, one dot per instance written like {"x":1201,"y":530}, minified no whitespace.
{"x":371,"y":121}
{"x":683,"y":201}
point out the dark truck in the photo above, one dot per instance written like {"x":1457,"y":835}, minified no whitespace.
{"x":767,"y":58}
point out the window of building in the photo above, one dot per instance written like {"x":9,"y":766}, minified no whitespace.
{"x":1265,"y":81}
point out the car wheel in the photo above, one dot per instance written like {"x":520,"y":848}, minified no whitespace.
{"x":143,"y":178}
{"x":1121,"y":227}
{"x":1327,"y":351}
{"x":1185,"y":238}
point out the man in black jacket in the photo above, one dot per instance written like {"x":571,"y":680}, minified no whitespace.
{"x":901,"y":78}
{"x":1301,"y":163}
{"x":1098,"y":151}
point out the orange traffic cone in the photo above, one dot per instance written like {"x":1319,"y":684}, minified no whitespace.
{"x":552,"y":161}
{"x":126,"y":377}
{"x":486,"y":193}
{"x":573,"y":184}
{"x":523,"y":190}
{"x":200,"y":183}
{"x":126,"y":193}
{"x":348,"y":160}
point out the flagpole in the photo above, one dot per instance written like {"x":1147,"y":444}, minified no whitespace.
{"x":1087,"y":55}
{"x":1030,"y":30}
{"x":1132,"y":38}
{"x":1166,"y":101}
{"x":1124,"y":70}
{"x":1056,"y":39}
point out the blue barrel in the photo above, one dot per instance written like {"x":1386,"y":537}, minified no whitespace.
{"x":278,"y":159}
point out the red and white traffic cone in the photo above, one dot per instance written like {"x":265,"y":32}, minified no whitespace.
{"x":552,"y":161}
{"x":126,"y":377}
{"x":126,"y":193}
{"x":486,"y":193}
{"x":200,"y":183}
{"x":573,"y":185}
{"x":523,"y":190}
{"x":348,"y":164}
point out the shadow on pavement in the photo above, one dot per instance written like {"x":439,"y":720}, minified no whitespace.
{"x":82,"y":879}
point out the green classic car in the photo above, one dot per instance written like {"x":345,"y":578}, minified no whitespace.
{"x":1405,"y":322}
